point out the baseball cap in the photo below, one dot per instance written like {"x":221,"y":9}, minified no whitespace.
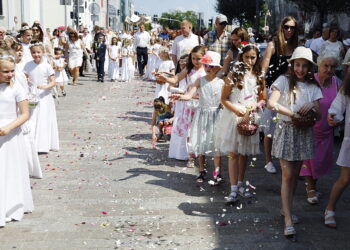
{"x":221,"y":19}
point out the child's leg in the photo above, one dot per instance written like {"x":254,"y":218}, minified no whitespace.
{"x":217,"y":162}
{"x":339,"y":187}
{"x":242,"y":165}
{"x":233,"y":168}
{"x":290,"y":172}
{"x":201,"y":161}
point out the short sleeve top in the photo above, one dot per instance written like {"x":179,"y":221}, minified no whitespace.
{"x":304,"y":93}
{"x":38,"y":74}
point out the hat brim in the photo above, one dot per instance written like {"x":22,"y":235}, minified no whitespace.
{"x":212,"y":64}
{"x":290,"y":60}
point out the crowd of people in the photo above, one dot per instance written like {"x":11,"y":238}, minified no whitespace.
{"x":214,"y":95}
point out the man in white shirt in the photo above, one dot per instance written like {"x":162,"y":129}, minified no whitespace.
{"x":142,"y":42}
{"x":87,"y":41}
{"x":185,"y":43}
{"x":317,"y":43}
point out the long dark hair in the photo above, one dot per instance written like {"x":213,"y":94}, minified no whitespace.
{"x":242,"y":34}
{"x":280,"y":42}
{"x":40,"y":37}
{"x":198,"y":49}
{"x":240,"y":68}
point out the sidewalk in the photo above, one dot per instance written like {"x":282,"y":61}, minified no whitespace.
{"x":107,"y":188}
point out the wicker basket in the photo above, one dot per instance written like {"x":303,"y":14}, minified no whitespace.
{"x":247,"y":127}
{"x":305,"y":121}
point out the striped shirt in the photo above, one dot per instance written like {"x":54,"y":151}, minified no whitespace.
{"x":218,"y":44}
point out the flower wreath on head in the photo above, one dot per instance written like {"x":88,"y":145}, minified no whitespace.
{"x":36,"y":44}
{"x":245,"y":44}
{"x":4,"y":57}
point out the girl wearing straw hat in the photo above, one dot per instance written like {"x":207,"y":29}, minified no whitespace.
{"x":294,"y":97}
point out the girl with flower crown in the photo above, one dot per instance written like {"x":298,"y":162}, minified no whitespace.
{"x":242,"y":96}
{"x":41,"y":78}
{"x":15,"y":193}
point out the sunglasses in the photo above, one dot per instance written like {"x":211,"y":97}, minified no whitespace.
{"x":223,"y":24}
{"x":209,"y":66}
{"x":287,"y":27}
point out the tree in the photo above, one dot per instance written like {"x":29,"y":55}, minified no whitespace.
{"x":174,"y":18}
{"x":241,"y":10}
{"x":323,"y":7}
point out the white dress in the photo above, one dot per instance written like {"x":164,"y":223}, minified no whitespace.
{"x":43,"y":119}
{"x":113,"y":66}
{"x":75,"y":54}
{"x":28,"y":135}
{"x":152,"y":61}
{"x":27,"y":56}
{"x":15,"y":192}
{"x":162,"y":89}
{"x":178,"y":147}
{"x":60,"y":75}
{"x":227,"y":138}
{"x":202,"y":132}
{"x":128,"y":68}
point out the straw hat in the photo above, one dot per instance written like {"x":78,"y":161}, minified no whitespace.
{"x":302,"y":53}
{"x":211,"y":58}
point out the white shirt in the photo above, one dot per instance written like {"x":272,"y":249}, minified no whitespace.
{"x":142,"y":39}
{"x":304,"y":93}
{"x":87,"y":40}
{"x":316,"y":44}
{"x":332,"y":48}
{"x":38,"y":74}
{"x":183,"y":45}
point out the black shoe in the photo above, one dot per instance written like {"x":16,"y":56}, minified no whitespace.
{"x":64,"y":93}
{"x":98,"y":80}
{"x":82,"y":75}
{"x":101,"y":80}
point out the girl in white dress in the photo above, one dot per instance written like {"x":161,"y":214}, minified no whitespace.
{"x":242,"y":95}
{"x":28,"y":135}
{"x":41,"y":78}
{"x":340,"y":105}
{"x":15,"y":191}
{"x":114,"y":55}
{"x":26,"y":37}
{"x":153,"y":57}
{"x":128,"y":68}
{"x":166,"y":66}
{"x":201,"y":142}
{"x":184,"y":110}
{"x":59,"y":66}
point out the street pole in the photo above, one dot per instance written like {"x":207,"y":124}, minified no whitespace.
{"x":107,"y":15}
{"x":257,"y":14}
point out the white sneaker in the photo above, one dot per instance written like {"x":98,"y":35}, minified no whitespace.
{"x":270,"y":168}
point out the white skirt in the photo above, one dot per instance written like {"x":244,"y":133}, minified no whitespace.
{"x":44,"y":122}
{"x":15,"y":192}
{"x":113,"y":69}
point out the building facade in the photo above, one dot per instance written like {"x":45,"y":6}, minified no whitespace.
{"x":54,"y":13}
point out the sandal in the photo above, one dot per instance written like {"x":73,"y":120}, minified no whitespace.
{"x":190,"y":163}
{"x":244,"y":192}
{"x":233,"y":197}
{"x":314,"y":199}
{"x":201,"y":176}
{"x":329,"y":220}
{"x":289,"y":230}
{"x":295,"y":219}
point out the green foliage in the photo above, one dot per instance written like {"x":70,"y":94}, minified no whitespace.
{"x":173,"y":19}
{"x":241,"y":10}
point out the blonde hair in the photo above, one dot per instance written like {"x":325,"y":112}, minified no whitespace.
{"x":7,"y":56}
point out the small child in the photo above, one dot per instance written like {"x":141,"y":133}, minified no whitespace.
{"x":204,"y":123}
{"x":128,"y":67}
{"x":41,"y":78}
{"x":162,"y":117}
{"x":114,"y":55}
{"x":99,"y":48}
{"x":166,"y":66}
{"x":59,"y":66}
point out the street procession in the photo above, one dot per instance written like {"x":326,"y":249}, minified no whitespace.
{"x":209,"y":124}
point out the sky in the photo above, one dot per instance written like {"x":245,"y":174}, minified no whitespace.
{"x":151,"y":7}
